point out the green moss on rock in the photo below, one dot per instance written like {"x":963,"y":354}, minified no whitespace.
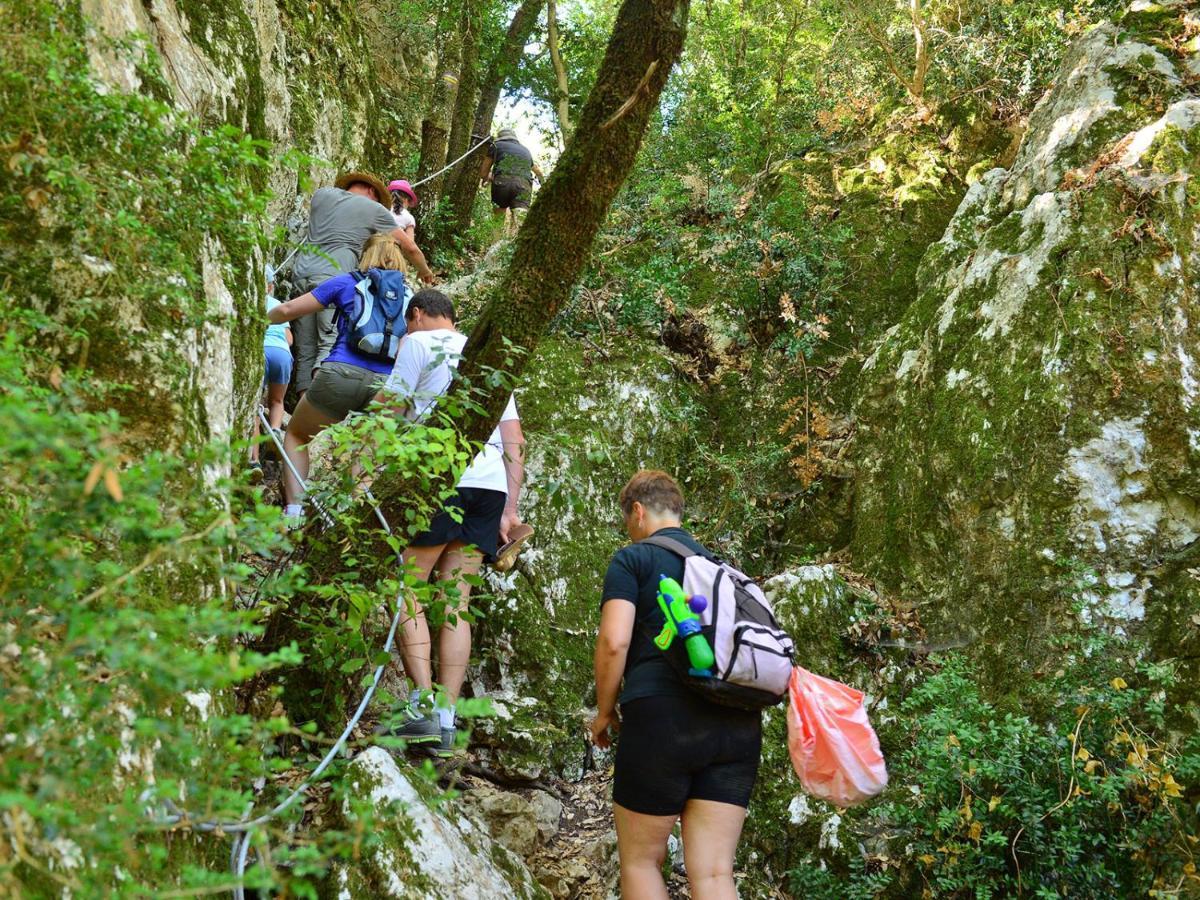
{"x":589,"y":428}
{"x":1034,"y":413}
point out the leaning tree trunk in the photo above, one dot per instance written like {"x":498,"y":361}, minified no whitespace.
{"x":468,"y":85}
{"x":562,"y":102}
{"x":435,"y":127}
{"x":503,"y":64}
{"x":554,"y":244}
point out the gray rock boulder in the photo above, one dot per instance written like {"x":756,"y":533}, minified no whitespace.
{"x":519,"y":822}
{"x":424,"y":853}
{"x":1029,"y":433}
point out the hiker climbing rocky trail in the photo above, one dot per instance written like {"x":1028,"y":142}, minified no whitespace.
{"x":891,"y":308}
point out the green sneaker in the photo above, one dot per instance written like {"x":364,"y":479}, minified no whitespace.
{"x":445,"y":747}
{"x":412,"y":726}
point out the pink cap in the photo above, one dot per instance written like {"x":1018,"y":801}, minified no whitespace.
{"x":404,"y":188}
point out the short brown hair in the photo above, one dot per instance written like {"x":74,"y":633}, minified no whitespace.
{"x":655,"y":490}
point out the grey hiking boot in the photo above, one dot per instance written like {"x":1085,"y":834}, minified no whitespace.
{"x":423,"y":731}
{"x":413,"y":726}
{"x":445,"y":746}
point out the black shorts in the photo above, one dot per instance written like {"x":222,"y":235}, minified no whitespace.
{"x":511,"y":193}
{"x":480,"y":511}
{"x":674,"y":749}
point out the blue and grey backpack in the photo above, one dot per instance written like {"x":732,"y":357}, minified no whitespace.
{"x":375,"y":328}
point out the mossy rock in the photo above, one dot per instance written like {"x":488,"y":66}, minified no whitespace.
{"x":826,"y":616}
{"x":1029,"y":431}
{"x":418,"y":851}
{"x":590,"y":423}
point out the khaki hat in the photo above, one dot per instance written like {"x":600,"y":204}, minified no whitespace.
{"x":377,"y":184}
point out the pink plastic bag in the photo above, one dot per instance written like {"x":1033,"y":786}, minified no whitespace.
{"x":834,"y":749}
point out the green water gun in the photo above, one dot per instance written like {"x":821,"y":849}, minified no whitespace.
{"x":681,"y":613}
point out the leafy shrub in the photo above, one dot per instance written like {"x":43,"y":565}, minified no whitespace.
{"x":1084,"y":800}
{"x":128,"y":601}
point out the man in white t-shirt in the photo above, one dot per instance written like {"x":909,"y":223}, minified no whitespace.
{"x":485,"y":498}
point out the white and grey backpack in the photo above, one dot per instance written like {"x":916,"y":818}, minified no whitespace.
{"x":753,"y":654}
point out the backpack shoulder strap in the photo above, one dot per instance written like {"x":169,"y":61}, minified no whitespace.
{"x":667,"y":543}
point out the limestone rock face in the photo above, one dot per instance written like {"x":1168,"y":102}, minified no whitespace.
{"x":1029,"y":432}
{"x":298,"y":77}
{"x":425,"y":853}
{"x":831,"y":620}
{"x":589,"y":423}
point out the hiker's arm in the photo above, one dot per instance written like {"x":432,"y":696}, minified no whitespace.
{"x":287,"y":333}
{"x":512,"y":440}
{"x":485,"y":170}
{"x":612,"y":646}
{"x":294,"y":309}
{"x":538,"y":172}
{"x":413,"y":254}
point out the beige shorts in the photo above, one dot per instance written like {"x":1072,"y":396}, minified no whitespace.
{"x":339,"y":389}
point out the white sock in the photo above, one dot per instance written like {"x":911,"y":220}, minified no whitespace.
{"x":414,"y":697}
{"x":294,"y":509}
{"x":446,"y":716}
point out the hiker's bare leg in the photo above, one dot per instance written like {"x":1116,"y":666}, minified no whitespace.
{"x":457,"y":563}
{"x":710,"y":838}
{"x":642,"y":846}
{"x":414,"y":630}
{"x":275,"y":395}
{"x":306,"y":423}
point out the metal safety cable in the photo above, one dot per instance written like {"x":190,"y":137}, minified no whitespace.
{"x":241,"y":829}
{"x":287,"y":461}
{"x":449,"y":166}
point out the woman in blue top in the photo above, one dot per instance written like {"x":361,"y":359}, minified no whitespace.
{"x":346,"y":381}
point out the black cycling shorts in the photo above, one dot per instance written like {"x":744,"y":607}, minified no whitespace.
{"x":480,"y":510}
{"x":511,"y":193}
{"x":672,"y":749}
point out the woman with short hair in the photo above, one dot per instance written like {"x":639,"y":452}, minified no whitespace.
{"x":680,"y":756}
{"x":347,"y":380}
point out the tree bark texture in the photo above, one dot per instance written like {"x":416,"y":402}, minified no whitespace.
{"x":468,"y":86}
{"x":555,"y":242}
{"x":563,"y":100}
{"x":435,"y":127}
{"x":503,"y":64}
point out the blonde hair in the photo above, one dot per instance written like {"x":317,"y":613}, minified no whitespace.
{"x":382,"y":252}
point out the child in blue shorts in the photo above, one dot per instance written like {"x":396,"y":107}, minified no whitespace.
{"x":277,"y":350}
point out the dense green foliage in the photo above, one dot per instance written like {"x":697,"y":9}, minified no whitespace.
{"x":128,"y":606}
{"x":155,"y":643}
{"x":1078,"y":793}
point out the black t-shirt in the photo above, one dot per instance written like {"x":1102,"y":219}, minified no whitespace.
{"x":511,"y":160}
{"x":633,"y":575}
